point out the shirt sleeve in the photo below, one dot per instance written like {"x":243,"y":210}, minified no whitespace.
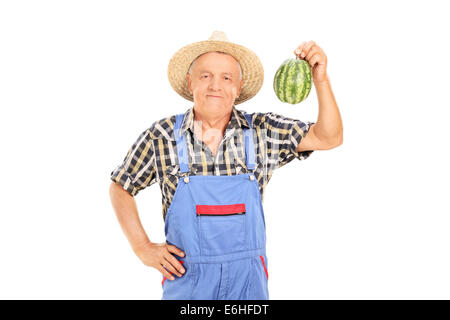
{"x":283,"y":136}
{"x":137,"y":170}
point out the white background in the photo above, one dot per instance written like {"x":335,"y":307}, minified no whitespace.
{"x":79,"y":80}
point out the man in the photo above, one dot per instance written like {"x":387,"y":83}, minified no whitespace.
{"x":212,"y":164}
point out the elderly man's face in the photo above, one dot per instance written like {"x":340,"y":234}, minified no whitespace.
{"x":215,"y":83}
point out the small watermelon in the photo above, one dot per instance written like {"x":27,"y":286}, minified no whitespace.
{"x":292,"y":81}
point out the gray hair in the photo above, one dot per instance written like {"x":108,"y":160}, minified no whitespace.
{"x":193,"y":62}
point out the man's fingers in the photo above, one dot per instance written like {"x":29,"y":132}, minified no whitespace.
{"x":299,"y":49}
{"x":175,"y":250}
{"x":176,"y":264}
{"x":308,"y":46}
{"x":304,"y":48}
{"x":314,"y":59}
{"x":165,"y":272}
{"x":314,"y":50}
{"x":166,"y":264}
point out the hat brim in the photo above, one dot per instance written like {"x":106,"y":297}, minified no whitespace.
{"x":252,"y":69}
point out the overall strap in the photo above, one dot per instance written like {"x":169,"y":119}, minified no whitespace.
{"x":181,"y":144}
{"x":249,"y":145}
{"x":183,"y":151}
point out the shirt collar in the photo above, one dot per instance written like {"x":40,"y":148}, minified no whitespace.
{"x":237,"y":120}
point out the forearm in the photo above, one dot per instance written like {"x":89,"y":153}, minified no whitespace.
{"x":126,"y":211}
{"x":329,"y":123}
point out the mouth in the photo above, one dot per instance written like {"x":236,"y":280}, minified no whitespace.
{"x":210,"y":96}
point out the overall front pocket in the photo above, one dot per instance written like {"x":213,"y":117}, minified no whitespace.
{"x":222,"y":228}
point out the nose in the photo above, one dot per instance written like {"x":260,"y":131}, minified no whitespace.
{"x":214,"y":84}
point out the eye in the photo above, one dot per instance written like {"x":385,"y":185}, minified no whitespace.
{"x":227,"y":78}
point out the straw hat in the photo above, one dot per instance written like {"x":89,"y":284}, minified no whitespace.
{"x":252,"y":70}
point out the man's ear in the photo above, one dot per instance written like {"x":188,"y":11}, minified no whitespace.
{"x":240,"y":88}
{"x":188,"y":79}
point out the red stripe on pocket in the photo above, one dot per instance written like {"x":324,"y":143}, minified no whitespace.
{"x":225,"y":209}
{"x":164,"y":279}
{"x":264,"y":265}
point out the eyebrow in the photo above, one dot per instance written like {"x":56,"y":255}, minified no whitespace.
{"x":203,"y":71}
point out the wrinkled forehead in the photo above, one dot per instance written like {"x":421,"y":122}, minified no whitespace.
{"x":216,"y":62}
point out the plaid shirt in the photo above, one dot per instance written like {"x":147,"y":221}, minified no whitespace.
{"x":153,"y":156}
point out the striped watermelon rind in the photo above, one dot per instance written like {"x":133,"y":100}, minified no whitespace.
{"x":293,"y":81}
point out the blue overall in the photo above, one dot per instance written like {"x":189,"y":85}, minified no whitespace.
{"x":218,"y":221}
